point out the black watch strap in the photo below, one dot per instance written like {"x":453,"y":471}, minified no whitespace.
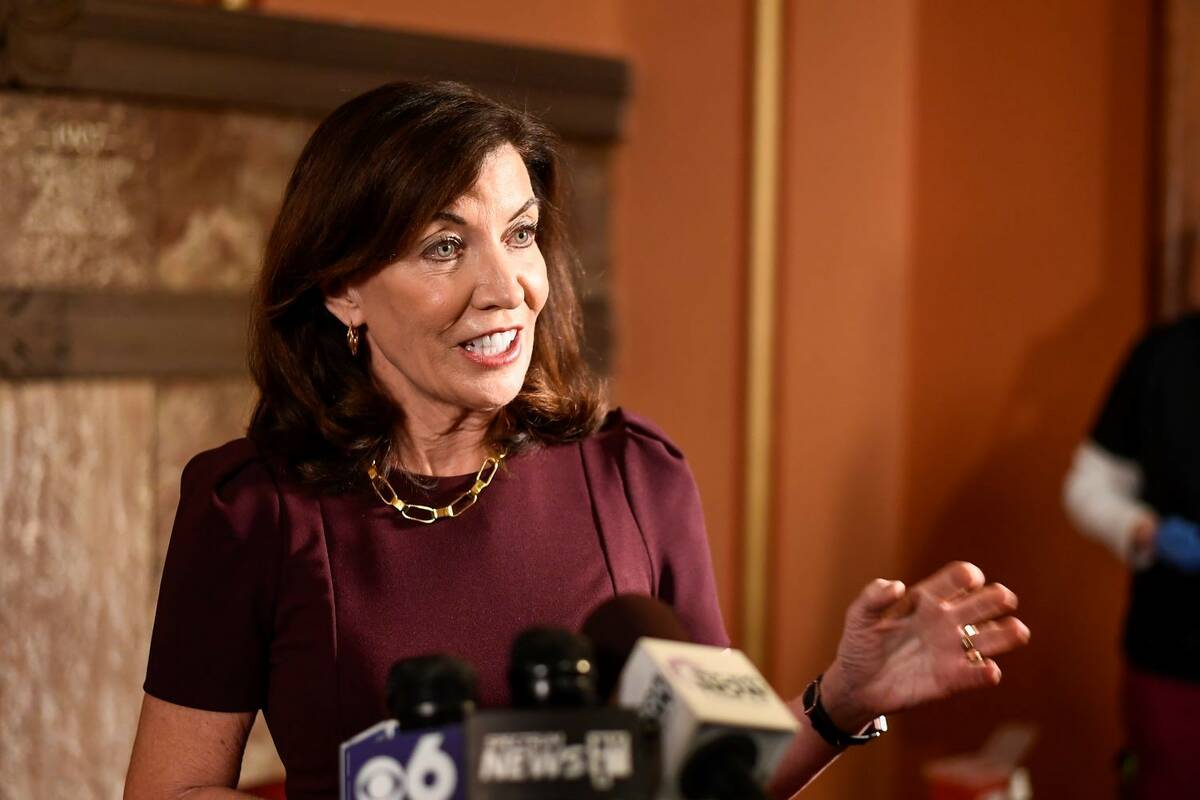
{"x":822,"y":724}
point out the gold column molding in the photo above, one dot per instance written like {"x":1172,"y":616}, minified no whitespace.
{"x":760,"y":322}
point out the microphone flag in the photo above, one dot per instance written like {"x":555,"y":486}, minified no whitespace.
{"x":385,"y":762}
{"x":583,"y":753}
{"x":697,"y":694}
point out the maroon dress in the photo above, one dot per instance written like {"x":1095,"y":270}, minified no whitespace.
{"x":279,"y":598}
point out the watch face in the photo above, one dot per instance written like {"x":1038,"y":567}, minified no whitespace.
{"x":877,"y":727}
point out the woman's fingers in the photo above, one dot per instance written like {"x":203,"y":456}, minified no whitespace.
{"x":877,"y":597}
{"x":980,"y":675}
{"x":993,"y":600}
{"x":949,"y":582}
{"x":1001,"y":636}
{"x":952,"y":580}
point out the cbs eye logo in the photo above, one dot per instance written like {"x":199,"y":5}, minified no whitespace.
{"x":430,"y":774}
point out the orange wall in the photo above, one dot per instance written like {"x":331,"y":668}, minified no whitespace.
{"x":845,"y":230}
{"x":1028,"y":279}
{"x":962,"y":263}
{"x":679,"y":249}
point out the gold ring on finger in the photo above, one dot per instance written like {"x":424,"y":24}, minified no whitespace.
{"x":968,"y":644}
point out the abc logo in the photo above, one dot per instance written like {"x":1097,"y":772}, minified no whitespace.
{"x":430,"y":774}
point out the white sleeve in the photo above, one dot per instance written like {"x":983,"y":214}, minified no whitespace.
{"x":1100,"y":495}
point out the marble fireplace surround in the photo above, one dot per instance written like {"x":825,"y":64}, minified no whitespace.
{"x":143,"y":149}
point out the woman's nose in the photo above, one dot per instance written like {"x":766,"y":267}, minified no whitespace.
{"x":499,"y":284}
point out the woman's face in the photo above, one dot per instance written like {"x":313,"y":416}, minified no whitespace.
{"x":451,"y":324}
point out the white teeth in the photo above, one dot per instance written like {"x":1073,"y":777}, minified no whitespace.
{"x":492,"y":344}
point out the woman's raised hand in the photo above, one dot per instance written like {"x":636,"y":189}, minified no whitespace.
{"x":903,"y":648}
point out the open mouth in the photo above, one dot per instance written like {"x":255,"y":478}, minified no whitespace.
{"x":493,"y":348}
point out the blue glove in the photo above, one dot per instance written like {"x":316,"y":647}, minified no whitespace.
{"x":1178,"y":543}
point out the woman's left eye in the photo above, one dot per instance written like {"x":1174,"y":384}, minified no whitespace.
{"x":443,"y":250}
{"x":524,"y":236}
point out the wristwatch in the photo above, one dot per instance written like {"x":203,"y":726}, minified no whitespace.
{"x":822,"y":724}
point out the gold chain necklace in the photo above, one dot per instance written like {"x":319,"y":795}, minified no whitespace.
{"x":428,"y":514}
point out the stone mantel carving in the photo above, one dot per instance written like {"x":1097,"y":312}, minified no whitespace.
{"x":143,"y":145}
{"x":181,"y":52}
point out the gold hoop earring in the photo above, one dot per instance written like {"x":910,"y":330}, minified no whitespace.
{"x":352,"y":339}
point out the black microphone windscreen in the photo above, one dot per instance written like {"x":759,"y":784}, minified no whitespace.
{"x":428,"y":691}
{"x":614,"y":627}
{"x":551,"y":668}
{"x":721,"y":769}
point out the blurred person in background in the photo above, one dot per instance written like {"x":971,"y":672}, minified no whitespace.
{"x":1134,"y":486}
{"x":431,"y":468}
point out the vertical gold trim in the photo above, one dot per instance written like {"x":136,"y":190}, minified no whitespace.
{"x":760,"y":321}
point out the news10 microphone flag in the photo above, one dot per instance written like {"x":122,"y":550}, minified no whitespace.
{"x":581,"y":754}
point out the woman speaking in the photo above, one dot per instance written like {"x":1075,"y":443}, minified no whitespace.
{"x":431,"y":468}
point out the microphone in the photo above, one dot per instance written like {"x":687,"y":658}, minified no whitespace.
{"x":420,"y":754}
{"x":556,"y":742}
{"x":724,"y":729}
{"x":551,"y":668}
{"x":614,"y":628}
{"x":428,"y":691}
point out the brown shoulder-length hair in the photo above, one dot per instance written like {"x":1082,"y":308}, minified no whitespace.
{"x":369,"y":180}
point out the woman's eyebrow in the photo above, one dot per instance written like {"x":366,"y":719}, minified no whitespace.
{"x":528,"y":204}
{"x":457,"y":220}
{"x":446,"y":215}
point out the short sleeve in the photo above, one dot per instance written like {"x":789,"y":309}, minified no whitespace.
{"x":212,"y":628}
{"x":1120,"y":423}
{"x":666,"y":503}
